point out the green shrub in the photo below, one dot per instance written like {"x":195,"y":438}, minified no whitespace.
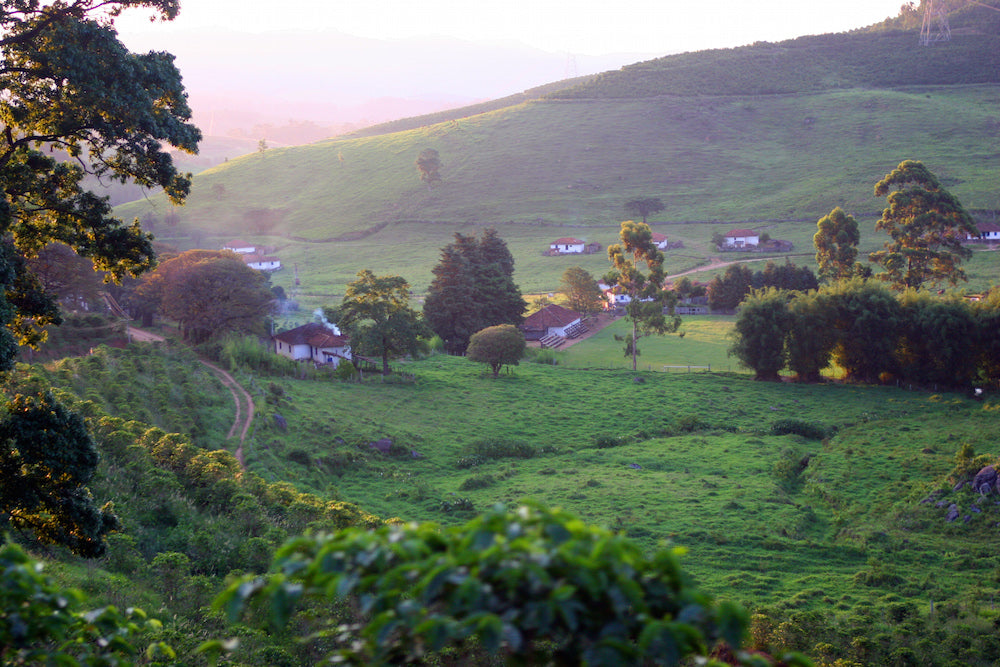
{"x":503,"y":449}
{"x":346,"y":372}
{"x":806,"y":429}
{"x":592,"y":596}
{"x":299,"y":456}
{"x":477,"y":482}
{"x":607,"y":441}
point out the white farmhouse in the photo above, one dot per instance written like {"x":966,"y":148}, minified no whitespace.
{"x":315,"y":342}
{"x":741,"y":238}
{"x":568,"y":246}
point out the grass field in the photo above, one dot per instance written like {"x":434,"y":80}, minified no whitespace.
{"x":689,"y":459}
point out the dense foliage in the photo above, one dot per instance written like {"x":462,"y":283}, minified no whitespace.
{"x":209,"y":294}
{"x":497,"y":346}
{"x":580,"y":291}
{"x":376,"y":315}
{"x":836,"y":241}
{"x":870,"y":333}
{"x":529,"y":584}
{"x":473,"y":288}
{"x":62,"y":71}
{"x":727,"y":291}
{"x":927,"y":228}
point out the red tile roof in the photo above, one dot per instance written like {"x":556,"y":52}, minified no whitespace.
{"x":985,"y":227}
{"x":741,"y":232}
{"x":567,"y":241}
{"x":658,"y":237}
{"x":313,"y":334}
{"x":550,"y":316}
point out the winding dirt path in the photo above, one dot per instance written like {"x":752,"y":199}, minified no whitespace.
{"x":241,"y":398}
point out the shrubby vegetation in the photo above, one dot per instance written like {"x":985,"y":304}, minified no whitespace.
{"x":871,"y":334}
{"x":813,"y":63}
{"x":529,"y":585}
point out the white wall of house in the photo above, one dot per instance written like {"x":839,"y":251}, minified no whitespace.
{"x":740,"y":241}
{"x":265,"y":265}
{"x":568,"y":248}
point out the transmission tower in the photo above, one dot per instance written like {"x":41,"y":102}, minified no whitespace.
{"x":935,"y":27}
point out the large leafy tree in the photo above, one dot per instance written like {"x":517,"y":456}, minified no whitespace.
{"x":647,"y":298}
{"x":497,"y":346}
{"x":727,"y":291}
{"x":927,"y":227}
{"x":644,"y":206}
{"x":377,"y":316}
{"x":759,"y":333}
{"x":581,"y":291}
{"x":429,"y":166}
{"x":72,"y":89}
{"x":865,"y":319}
{"x":211,"y":293}
{"x":836,"y":241}
{"x":473,"y":288}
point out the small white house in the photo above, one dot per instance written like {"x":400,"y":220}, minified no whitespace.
{"x":568,"y":246}
{"x":315,"y":342}
{"x":660,"y":240}
{"x":240,"y":247}
{"x":989,"y":231}
{"x":741,"y":238}
{"x":261,"y":262}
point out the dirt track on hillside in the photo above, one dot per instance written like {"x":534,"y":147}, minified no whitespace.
{"x":241,"y":398}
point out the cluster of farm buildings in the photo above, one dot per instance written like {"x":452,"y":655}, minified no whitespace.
{"x":323,"y":343}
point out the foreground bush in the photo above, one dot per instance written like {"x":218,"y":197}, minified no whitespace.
{"x":529,"y":584}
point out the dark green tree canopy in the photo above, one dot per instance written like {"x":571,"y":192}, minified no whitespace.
{"x":46,"y":460}
{"x":429,"y":166}
{"x":759,"y":333}
{"x":473,"y":288}
{"x":836,"y":241}
{"x":377,"y":316}
{"x":927,"y":228}
{"x":498,"y":346}
{"x":644,"y":207}
{"x":71,"y":89}
{"x":727,"y":291}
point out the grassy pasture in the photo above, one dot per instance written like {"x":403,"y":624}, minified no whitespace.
{"x":546,"y":169}
{"x":689,"y":459}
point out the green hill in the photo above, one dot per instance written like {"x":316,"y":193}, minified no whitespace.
{"x":747,"y":136}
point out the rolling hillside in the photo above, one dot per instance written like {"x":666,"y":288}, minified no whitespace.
{"x":769,"y":132}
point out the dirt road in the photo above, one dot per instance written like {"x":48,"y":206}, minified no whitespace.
{"x":241,"y":398}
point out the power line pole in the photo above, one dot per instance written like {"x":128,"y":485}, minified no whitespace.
{"x":935,"y":27}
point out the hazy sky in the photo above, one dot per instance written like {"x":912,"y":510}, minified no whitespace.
{"x":570,"y":26}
